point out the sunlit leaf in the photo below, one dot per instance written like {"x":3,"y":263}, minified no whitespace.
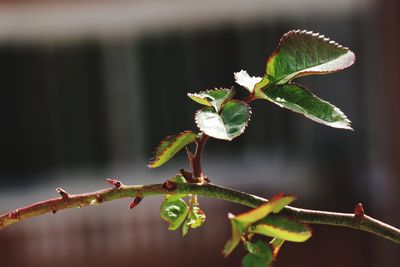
{"x":213,"y":98}
{"x":170,"y":146}
{"x":237,"y":231}
{"x":260,"y":255}
{"x":244,"y":79}
{"x":301,"y":53}
{"x":240,"y":222}
{"x":228,"y":124}
{"x":298,"y":99}
{"x":283,"y":228}
{"x":174,"y":211}
{"x":275,"y":204}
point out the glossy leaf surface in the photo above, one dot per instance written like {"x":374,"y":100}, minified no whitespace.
{"x":170,"y":146}
{"x":283,"y":228}
{"x":298,"y":99}
{"x":301,"y":53}
{"x":213,"y":98}
{"x":228,"y":124}
{"x":275,"y":204}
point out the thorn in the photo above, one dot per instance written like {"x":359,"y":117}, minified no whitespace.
{"x":136,"y":201}
{"x":206,"y":179}
{"x":187,"y":175}
{"x":63,"y":193}
{"x":359,"y":212}
{"x":14,"y":215}
{"x":169,"y":185}
{"x":99,"y":198}
{"x":53,"y":210}
{"x":117,"y":184}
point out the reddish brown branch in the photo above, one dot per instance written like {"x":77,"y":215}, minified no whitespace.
{"x":350,"y":220}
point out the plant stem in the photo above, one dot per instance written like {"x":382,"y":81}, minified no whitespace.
{"x":197,"y":159}
{"x":350,"y":220}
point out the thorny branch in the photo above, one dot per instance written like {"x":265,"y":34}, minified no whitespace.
{"x":357,"y":220}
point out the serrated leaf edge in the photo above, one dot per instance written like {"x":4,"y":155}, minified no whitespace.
{"x":347,"y":125}
{"x":242,"y":75}
{"x":240,"y":132}
{"x":305,"y":72}
{"x":155,"y":158}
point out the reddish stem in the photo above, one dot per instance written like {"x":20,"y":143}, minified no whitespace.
{"x":197,"y":159}
{"x":249,"y":99}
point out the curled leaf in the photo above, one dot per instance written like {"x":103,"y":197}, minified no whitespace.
{"x":174,"y":211}
{"x":213,"y":98}
{"x":275,"y":204}
{"x":242,"y":221}
{"x":170,"y":146}
{"x":283,"y":228}
{"x":244,"y":79}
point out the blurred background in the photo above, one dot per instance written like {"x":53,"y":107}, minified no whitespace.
{"x":89,"y":87}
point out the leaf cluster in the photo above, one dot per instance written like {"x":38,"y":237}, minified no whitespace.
{"x":299,"y":53}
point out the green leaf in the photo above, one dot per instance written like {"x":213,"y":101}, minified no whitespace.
{"x":237,"y":231}
{"x":298,"y":99}
{"x":301,"y":53}
{"x":195,"y":219}
{"x":174,"y":211}
{"x":228,"y":124}
{"x":170,"y":146}
{"x":283,"y":228}
{"x":240,"y":222}
{"x":260,"y":255}
{"x":275,"y":204}
{"x":213,"y":98}
{"x":244,"y":79}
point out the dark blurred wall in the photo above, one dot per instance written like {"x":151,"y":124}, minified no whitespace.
{"x":98,"y":104}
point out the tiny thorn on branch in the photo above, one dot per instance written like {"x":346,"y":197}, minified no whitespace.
{"x":169,"y":185}
{"x":53,"y":210}
{"x":359,"y":212}
{"x":63,"y":193}
{"x":14,"y":215}
{"x":99,"y":198}
{"x":136,"y":201}
{"x":117,"y":184}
